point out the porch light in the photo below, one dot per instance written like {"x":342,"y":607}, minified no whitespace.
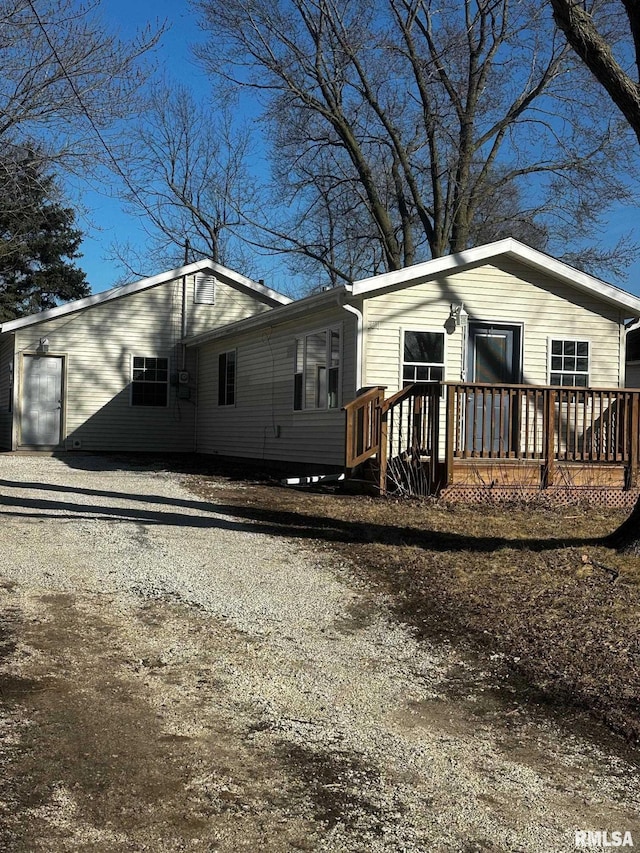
{"x":458,"y":315}
{"x":43,"y":345}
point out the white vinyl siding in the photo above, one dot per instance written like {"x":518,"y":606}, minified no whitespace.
{"x":7,"y":371}
{"x":98,"y":343}
{"x":510,"y":294}
{"x":263,"y":423}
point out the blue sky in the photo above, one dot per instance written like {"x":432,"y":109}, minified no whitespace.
{"x":105,"y":222}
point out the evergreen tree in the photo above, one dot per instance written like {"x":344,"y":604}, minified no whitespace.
{"x":38,"y":240}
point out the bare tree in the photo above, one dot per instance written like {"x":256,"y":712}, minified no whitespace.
{"x":65,"y":79}
{"x":434,"y":123}
{"x":187,"y":172}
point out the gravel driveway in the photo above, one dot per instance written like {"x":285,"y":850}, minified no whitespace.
{"x":174,"y":678}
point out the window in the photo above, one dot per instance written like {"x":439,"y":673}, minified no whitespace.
{"x":316,"y":381}
{"x":149,"y":381}
{"x":227,"y":378}
{"x":423,"y":357}
{"x":204,"y":292}
{"x":569,"y":363}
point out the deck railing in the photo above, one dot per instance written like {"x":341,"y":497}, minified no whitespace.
{"x":402,"y":431}
{"x":363,"y":426}
{"x":588,"y":425}
{"x":520,"y":422}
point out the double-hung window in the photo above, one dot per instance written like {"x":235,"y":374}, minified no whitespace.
{"x":227,"y":378}
{"x":149,"y":381}
{"x":423,"y":357}
{"x":569,"y":363}
{"x":316,"y":382}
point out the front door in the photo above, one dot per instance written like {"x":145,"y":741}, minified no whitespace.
{"x":494,"y":359}
{"x":41,"y":418}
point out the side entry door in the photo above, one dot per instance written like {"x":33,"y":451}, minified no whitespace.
{"x":41,"y":411}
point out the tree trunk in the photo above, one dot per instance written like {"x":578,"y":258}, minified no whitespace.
{"x":626,"y":538}
{"x":594,"y":50}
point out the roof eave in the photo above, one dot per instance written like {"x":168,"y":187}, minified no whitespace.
{"x":206,"y":265}
{"x":509,"y":247}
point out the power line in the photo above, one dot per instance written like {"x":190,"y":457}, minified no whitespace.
{"x":88,"y":115}
{"x":132,"y":189}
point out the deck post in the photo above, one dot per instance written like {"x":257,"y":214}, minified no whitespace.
{"x":549,"y":440}
{"x":634,"y":438}
{"x":382,"y":452}
{"x":418,"y":405}
{"x":434,"y":438}
{"x":448,"y":457}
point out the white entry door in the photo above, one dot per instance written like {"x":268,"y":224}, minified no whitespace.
{"x":41,"y":400}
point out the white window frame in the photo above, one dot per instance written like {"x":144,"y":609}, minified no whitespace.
{"x":576,"y":372}
{"x":132,"y":358}
{"x":443,"y":364}
{"x":204,"y":289}
{"x":323,"y":371}
{"x":222,"y":393}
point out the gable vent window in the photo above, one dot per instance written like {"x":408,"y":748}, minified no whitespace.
{"x":204,"y":289}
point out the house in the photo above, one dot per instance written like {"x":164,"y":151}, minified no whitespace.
{"x":510,"y":342}
{"x":501,"y":315}
{"x":109,"y":372}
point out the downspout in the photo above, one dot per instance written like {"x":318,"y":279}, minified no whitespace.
{"x":359,"y":335}
{"x":183,"y":363}
{"x":625,"y":328}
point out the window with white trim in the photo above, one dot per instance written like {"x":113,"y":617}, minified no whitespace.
{"x":316,"y":381}
{"x":204,"y":289}
{"x":569,"y":363}
{"x":423,"y":357}
{"x":227,"y":378}
{"x":149,"y":381}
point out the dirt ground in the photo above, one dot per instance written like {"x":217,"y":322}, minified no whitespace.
{"x":307,"y":693}
{"x":530,"y":583}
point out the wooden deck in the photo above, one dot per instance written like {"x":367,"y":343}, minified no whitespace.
{"x":435,"y":436}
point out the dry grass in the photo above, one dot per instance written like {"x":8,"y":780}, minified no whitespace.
{"x":510,"y":580}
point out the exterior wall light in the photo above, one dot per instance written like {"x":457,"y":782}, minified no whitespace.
{"x":459,"y":315}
